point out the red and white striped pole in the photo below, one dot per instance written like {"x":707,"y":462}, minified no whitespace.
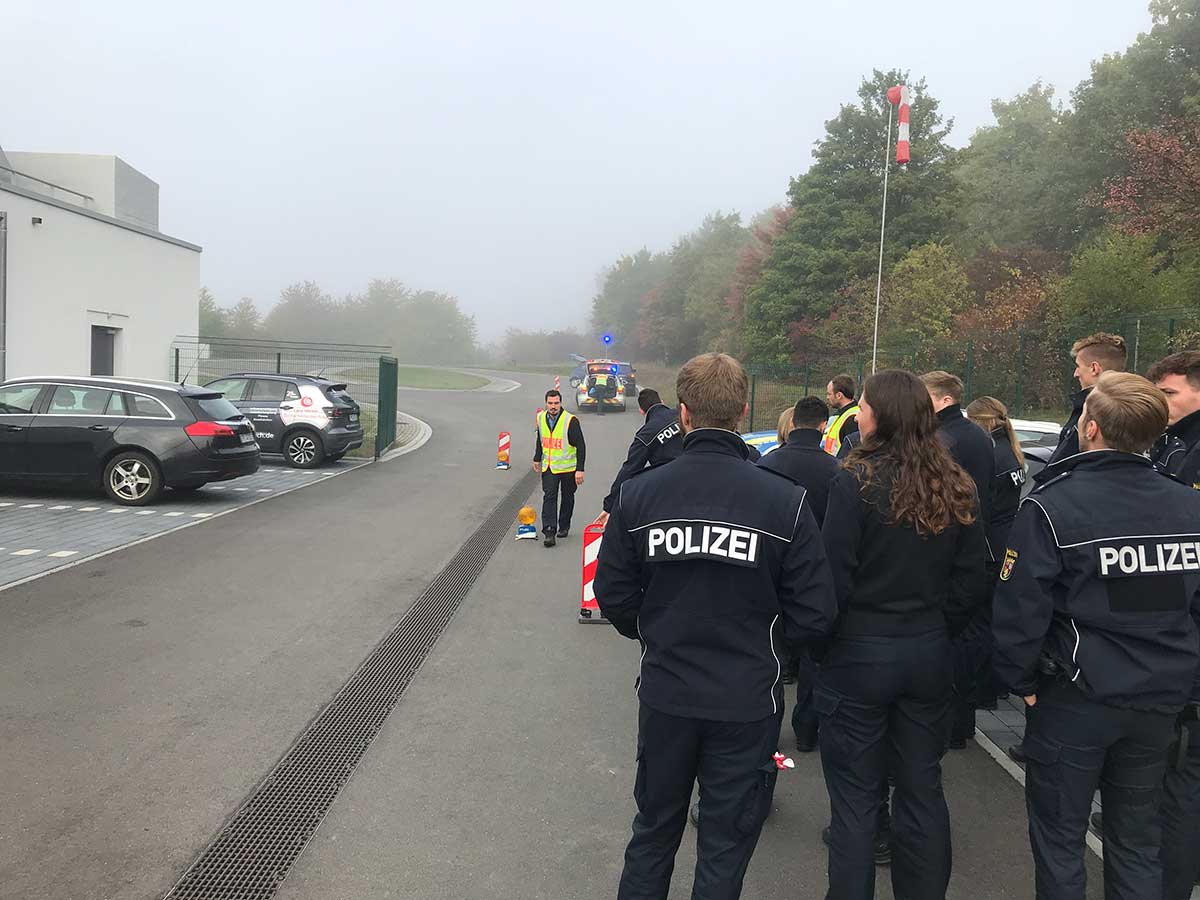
{"x":503,"y":446}
{"x":896,"y":96}
{"x":556,"y":382}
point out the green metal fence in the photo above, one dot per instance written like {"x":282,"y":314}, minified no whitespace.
{"x":1030,"y":370}
{"x":385,"y":434}
{"x":199,"y":360}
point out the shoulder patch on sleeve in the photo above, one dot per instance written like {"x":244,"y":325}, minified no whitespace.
{"x":1010,"y":560}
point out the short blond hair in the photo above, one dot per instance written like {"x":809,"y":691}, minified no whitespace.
{"x":713,"y":387}
{"x":1104,"y":348}
{"x":943,"y":384}
{"x":785,"y":424}
{"x":1129,"y":410}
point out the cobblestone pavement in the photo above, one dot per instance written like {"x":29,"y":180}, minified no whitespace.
{"x":42,"y":530}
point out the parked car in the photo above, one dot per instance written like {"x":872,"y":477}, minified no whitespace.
{"x":132,"y":438}
{"x":306,"y":418}
{"x":598,"y":397}
{"x":1038,"y":440}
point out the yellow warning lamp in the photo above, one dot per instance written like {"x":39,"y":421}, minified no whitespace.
{"x":527,"y":516}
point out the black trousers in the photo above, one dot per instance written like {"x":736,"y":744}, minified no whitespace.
{"x":557,"y":518}
{"x":733,"y":762}
{"x":1074,"y":745}
{"x":1181,"y":820}
{"x":804,"y":714}
{"x":884,"y":706}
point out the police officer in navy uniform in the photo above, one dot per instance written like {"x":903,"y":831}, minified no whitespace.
{"x":1177,"y":454}
{"x":658,"y":441}
{"x":1093,"y":356}
{"x":1095,"y":626}
{"x":712,"y":565}
{"x":974,"y":450}
{"x":802,"y":459}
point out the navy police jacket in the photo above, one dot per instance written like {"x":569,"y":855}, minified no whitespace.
{"x":803,"y":460}
{"x":712,"y":564}
{"x":658,"y":441}
{"x":1177,"y":452}
{"x":1068,"y":437}
{"x":1101,"y":578}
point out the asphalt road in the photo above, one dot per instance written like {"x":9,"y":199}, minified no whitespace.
{"x":146,"y":693}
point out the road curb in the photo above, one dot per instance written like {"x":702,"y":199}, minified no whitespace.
{"x":424,"y":433}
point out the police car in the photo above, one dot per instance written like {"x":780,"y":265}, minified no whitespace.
{"x":591,"y":395}
{"x":306,"y":418}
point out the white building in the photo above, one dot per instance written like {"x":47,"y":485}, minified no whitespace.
{"x":88,"y":284}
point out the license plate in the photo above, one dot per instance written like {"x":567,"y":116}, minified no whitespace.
{"x":246,"y":437}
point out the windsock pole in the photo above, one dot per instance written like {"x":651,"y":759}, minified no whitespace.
{"x":887,"y":150}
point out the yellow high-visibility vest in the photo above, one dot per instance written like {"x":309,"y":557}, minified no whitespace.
{"x":833,"y":433}
{"x":557,"y":455}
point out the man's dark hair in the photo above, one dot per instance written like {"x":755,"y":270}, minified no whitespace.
{"x":810,"y":412}
{"x":1186,"y":364}
{"x":844,"y":385}
{"x":648,"y":397}
{"x":553,"y":393}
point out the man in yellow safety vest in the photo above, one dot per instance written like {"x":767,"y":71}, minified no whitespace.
{"x":840,"y":395}
{"x":559,"y":454}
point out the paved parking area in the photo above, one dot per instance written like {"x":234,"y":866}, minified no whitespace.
{"x":42,"y":530}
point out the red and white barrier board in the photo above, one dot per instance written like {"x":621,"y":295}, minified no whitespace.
{"x":503,"y":446}
{"x":589,"y":610}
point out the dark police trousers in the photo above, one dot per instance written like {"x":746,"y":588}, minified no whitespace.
{"x":733,"y":762}
{"x":804,"y":715}
{"x":554,"y":518}
{"x":884,"y":704}
{"x":1181,"y":819}
{"x":1075,"y":745}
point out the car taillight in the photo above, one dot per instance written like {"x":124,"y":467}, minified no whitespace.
{"x":334,"y":412}
{"x":209,"y":429}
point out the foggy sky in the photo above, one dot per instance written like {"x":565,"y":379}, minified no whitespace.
{"x":504,"y":153}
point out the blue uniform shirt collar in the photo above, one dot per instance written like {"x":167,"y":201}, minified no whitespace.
{"x":1090,"y":459}
{"x":715,"y":440}
{"x":807,"y":438}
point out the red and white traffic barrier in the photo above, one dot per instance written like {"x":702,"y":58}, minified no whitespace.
{"x":556,"y":382}
{"x":589,"y":609}
{"x":503,"y":449}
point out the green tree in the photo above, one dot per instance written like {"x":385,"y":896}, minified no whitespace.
{"x":833,"y":237}
{"x":245,"y":321}
{"x":617,"y":308}
{"x":926,"y":290}
{"x":1114,"y":276}
{"x":304,"y":312}
{"x":1011,"y":177}
{"x":213,"y":319}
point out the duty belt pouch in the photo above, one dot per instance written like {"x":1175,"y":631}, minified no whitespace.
{"x":1179,"y":752}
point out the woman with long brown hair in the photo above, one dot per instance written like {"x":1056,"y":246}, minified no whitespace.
{"x":992,"y":416}
{"x":907,"y":553}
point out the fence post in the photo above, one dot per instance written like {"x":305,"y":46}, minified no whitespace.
{"x":970,"y":367}
{"x":807,"y":373}
{"x":279,"y":363}
{"x":860,"y":374}
{"x":1019,"y":399}
{"x":1170,"y":333}
{"x":177,"y":364}
{"x":753,"y":382}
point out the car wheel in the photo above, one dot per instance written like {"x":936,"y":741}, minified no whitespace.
{"x":132,"y":479}
{"x":334,"y":457}
{"x":303,"y":450}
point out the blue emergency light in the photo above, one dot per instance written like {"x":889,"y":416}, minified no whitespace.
{"x":608,"y":339}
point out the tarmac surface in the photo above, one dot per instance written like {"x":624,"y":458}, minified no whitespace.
{"x":146,"y":693}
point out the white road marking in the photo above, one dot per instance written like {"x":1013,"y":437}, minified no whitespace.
{"x":5,"y":504}
{"x":264,"y":490}
{"x":170,"y":514}
{"x":201,"y":515}
{"x":60,"y":507}
{"x":119,"y":509}
{"x":25,"y":552}
{"x":32,"y":505}
{"x":63,"y":554}
{"x":88,"y":508}
{"x":146,"y":512}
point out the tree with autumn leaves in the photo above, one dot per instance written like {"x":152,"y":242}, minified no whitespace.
{"x":1057,"y":217}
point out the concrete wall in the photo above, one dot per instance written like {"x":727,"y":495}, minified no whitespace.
{"x":135,"y":197}
{"x":73,"y":271}
{"x":82,"y":172}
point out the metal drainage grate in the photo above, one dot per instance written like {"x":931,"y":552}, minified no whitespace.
{"x":252,"y":854}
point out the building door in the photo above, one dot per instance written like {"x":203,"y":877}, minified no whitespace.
{"x":104,"y":349}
